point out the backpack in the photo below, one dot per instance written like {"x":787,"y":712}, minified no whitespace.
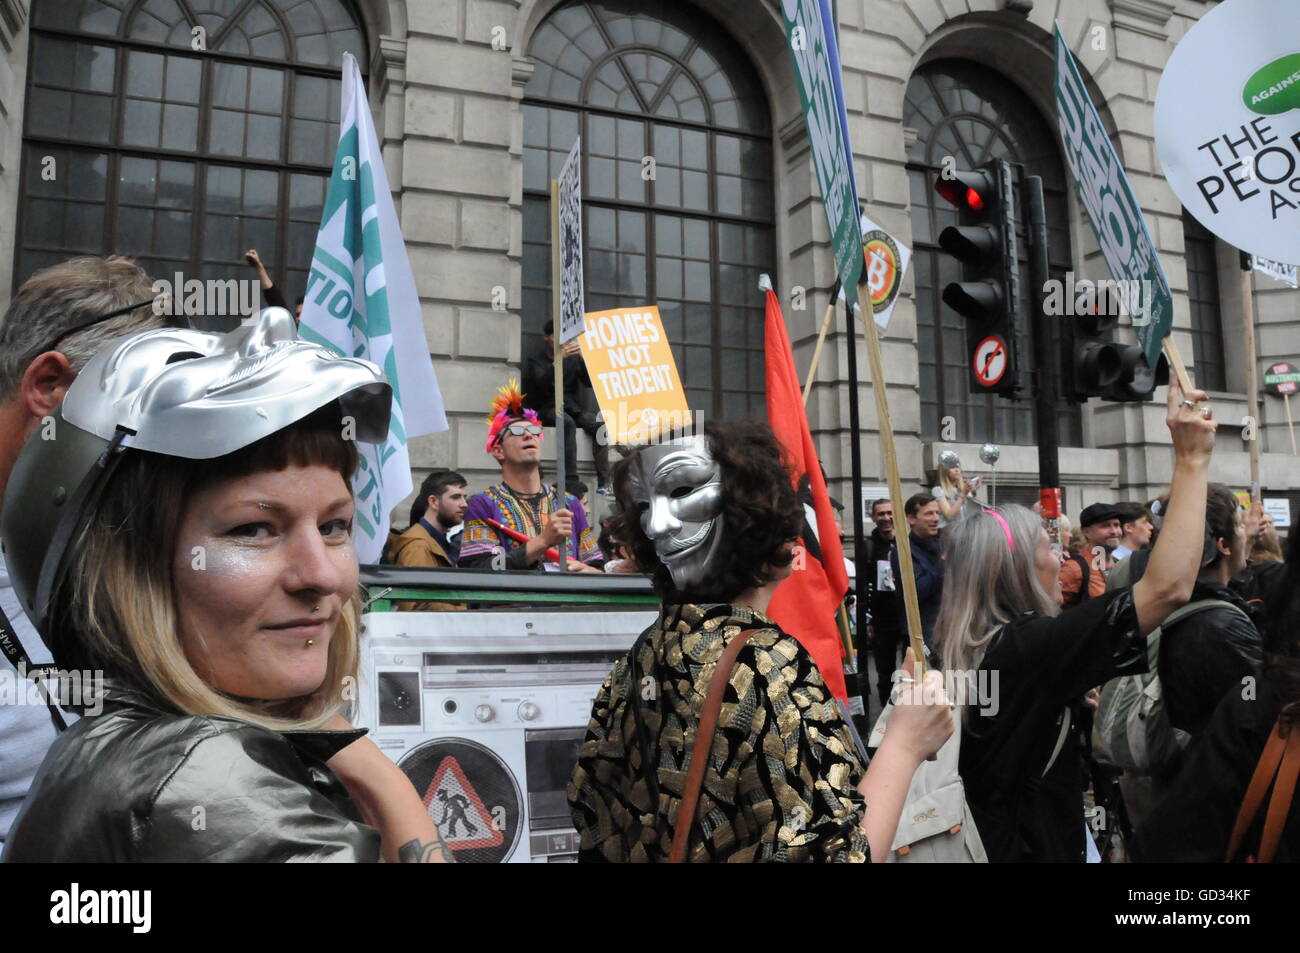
{"x":936,"y":825}
{"x":1132,"y":730}
{"x":1085,"y":581}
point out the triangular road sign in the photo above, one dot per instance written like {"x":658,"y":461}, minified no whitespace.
{"x":463,"y":820}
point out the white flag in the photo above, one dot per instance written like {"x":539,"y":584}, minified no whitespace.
{"x":1277,"y":270}
{"x":361,"y":301}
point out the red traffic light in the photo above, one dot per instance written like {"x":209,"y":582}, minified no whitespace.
{"x":966,"y":190}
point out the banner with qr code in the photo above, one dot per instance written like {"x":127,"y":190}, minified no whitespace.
{"x":571,"y":296}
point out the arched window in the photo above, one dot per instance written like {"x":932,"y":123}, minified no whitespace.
{"x":182,"y":132}
{"x":677,"y":176}
{"x":972,"y":114}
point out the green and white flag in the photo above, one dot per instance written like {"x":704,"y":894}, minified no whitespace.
{"x":361,"y":301}
{"x":1113,"y":211}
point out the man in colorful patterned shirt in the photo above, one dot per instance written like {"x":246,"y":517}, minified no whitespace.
{"x":521,"y":502}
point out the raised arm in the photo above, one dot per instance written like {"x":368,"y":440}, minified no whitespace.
{"x":951,"y":510}
{"x":918,"y":727}
{"x":1176,"y":558}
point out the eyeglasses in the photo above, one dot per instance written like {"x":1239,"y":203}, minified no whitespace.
{"x":518,"y":430}
{"x":108,"y":315}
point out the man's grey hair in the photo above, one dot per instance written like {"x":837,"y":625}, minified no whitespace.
{"x":62,"y":296}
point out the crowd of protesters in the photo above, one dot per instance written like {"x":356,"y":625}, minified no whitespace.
{"x":231,"y":683}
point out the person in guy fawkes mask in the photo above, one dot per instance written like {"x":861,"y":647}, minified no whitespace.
{"x":714,"y":519}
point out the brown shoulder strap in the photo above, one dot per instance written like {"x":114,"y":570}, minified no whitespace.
{"x":703,"y":745}
{"x":1279,"y":805}
{"x":1260,"y":783}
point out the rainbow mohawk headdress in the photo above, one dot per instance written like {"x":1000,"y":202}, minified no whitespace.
{"x":507,"y":405}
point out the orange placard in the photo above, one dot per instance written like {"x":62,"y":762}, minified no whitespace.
{"x":634,"y":374}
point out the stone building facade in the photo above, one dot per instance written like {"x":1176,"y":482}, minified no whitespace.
{"x":475,"y":99}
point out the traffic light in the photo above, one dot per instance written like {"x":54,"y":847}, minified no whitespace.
{"x":1091,"y":362}
{"x":1096,"y":366}
{"x":988,"y":295}
{"x":1135,"y":381}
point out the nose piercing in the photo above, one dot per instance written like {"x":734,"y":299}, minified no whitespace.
{"x":315,"y":607}
{"x":311,"y":641}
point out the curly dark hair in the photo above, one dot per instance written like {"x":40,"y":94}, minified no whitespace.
{"x":760,"y":514}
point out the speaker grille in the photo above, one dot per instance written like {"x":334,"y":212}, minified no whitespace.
{"x":471,"y":795}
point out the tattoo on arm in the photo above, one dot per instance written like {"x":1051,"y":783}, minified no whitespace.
{"x":432,"y":852}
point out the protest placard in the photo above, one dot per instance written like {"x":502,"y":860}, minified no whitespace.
{"x":634,"y":374}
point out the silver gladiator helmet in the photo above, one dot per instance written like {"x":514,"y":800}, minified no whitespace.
{"x":176,"y":392}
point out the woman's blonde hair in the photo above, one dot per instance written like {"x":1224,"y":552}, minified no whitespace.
{"x":945,"y":483}
{"x":117,"y":606}
{"x":986,"y":584}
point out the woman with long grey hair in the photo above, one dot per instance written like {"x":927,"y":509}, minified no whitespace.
{"x":1000,"y":630}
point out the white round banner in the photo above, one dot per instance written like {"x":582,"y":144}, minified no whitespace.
{"x":1227,"y":122}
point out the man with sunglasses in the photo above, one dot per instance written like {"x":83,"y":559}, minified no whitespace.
{"x":539,"y":386}
{"x":521,"y":503}
{"x":55,"y":323}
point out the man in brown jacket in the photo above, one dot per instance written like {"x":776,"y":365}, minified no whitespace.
{"x":436,"y":515}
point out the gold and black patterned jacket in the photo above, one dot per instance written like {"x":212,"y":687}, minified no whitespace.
{"x":782,"y":778}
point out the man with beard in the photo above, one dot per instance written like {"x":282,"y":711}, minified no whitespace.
{"x":1083,"y":576}
{"x":437,"y":516}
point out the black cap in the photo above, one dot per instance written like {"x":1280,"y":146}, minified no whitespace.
{"x":1098,"y":513}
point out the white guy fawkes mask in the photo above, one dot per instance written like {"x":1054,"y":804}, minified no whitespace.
{"x":677,"y":488}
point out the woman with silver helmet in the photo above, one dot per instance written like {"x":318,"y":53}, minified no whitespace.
{"x":187,"y":534}
{"x":779,"y":776}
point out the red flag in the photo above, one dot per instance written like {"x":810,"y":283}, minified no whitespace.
{"x":805,"y":604}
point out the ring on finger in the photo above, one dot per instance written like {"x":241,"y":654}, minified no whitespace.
{"x":1188,"y":403}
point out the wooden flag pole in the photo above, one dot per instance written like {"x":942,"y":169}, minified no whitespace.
{"x":910,"y":602}
{"x":557,"y":258}
{"x":1286,"y":400}
{"x":1252,"y":372}
{"x":821,"y":340}
{"x":1176,"y":363}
